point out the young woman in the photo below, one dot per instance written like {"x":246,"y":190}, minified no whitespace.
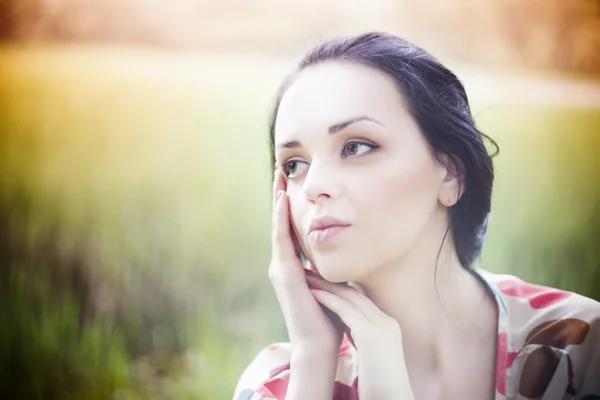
{"x":383,"y":180}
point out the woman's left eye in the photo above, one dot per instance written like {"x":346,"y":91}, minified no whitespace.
{"x":352,"y":149}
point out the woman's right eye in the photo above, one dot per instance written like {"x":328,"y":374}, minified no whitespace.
{"x":293,"y":168}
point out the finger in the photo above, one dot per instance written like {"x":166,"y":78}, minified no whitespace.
{"x":357,"y":287}
{"x":286,"y":271}
{"x":354,"y":297}
{"x":283,"y":248}
{"x":310,"y":272}
{"x":278,"y":184}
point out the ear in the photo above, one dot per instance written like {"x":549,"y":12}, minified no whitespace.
{"x":453,"y":182}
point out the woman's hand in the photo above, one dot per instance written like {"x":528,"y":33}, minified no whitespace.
{"x":377,"y":337}
{"x":310,"y":328}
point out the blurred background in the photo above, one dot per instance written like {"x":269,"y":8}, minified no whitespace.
{"x":135,"y":176}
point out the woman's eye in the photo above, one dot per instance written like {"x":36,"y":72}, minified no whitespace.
{"x":293,"y":168}
{"x":356,"y":149}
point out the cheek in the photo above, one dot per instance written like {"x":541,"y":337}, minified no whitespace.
{"x":401,"y":201}
{"x":298,"y":211}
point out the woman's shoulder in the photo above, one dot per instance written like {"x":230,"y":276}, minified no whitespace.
{"x":524,"y":301}
{"x":267,"y":376}
{"x":268,"y":363}
{"x":550,"y":338}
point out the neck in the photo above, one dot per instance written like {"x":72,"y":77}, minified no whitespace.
{"x":435,"y":300}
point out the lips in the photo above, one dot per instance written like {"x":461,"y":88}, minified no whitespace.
{"x":324,"y":229}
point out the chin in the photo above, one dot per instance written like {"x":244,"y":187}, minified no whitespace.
{"x":335,"y":271}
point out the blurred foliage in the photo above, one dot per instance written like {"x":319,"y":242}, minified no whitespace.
{"x":135,"y":206}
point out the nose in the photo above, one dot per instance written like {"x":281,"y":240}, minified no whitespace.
{"x":320,"y":182}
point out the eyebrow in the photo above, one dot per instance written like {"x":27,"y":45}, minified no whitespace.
{"x":332,"y":129}
{"x":344,"y":124}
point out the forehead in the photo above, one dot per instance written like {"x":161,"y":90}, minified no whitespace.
{"x":327,"y":93}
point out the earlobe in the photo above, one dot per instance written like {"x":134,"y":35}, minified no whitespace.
{"x":447,"y":200}
{"x":450,"y":192}
{"x":452,"y":189}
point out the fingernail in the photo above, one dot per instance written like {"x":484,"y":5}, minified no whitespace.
{"x":279,"y":193}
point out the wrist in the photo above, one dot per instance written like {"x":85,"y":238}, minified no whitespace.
{"x":313,"y":354}
{"x":313,"y":372}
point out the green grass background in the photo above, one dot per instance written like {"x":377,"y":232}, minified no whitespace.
{"x":135,"y":206}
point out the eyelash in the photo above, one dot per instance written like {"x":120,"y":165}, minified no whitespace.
{"x":373,"y":147}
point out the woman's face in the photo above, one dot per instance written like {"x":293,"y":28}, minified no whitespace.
{"x":355,"y":157}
